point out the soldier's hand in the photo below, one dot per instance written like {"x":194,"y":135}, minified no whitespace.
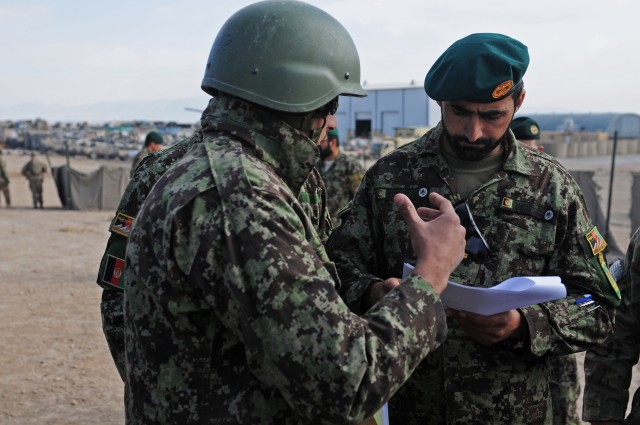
{"x":438,"y":242}
{"x":489,"y":330}
{"x":378,"y":290}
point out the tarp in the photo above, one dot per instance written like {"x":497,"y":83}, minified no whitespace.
{"x":587,"y":183}
{"x":98,"y":190}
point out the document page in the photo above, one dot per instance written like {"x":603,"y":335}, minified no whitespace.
{"x":516,"y":292}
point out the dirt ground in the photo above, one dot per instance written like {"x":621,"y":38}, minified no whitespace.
{"x":56,"y":367}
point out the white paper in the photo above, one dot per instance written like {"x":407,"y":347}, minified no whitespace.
{"x":516,"y":292}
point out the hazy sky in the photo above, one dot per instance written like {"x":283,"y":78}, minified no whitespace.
{"x":585,"y":55}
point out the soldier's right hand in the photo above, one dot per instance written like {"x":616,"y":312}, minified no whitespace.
{"x":438,"y":242}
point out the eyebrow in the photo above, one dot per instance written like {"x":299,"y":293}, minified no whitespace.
{"x":487,"y":113}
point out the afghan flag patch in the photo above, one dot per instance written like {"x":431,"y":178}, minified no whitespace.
{"x":507,"y":202}
{"x":122,"y":224}
{"x":113,"y":271}
{"x":596,"y":241}
{"x":381,"y":193}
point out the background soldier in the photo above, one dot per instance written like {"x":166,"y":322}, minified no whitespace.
{"x":341,"y":174}
{"x":34,"y":171}
{"x":608,"y":368}
{"x":527,"y":131}
{"x":4,"y":180}
{"x":152,"y":143}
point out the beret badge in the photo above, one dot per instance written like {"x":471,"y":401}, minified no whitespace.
{"x":502,"y":89}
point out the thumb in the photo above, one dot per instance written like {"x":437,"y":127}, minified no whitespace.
{"x":407,"y":209}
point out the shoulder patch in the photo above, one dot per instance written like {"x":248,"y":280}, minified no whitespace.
{"x":113,"y":271}
{"x":607,"y":272}
{"x":122,"y":224}
{"x":595,"y":240}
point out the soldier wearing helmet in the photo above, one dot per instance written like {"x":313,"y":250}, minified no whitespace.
{"x":231,"y":307}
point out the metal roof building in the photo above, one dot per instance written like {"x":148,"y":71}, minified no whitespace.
{"x":384,"y":109}
{"x":627,"y":125}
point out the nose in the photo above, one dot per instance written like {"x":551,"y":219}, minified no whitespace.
{"x":473,"y":129}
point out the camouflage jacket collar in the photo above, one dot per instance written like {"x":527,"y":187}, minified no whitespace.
{"x":516,"y":159}
{"x":291,"y":153}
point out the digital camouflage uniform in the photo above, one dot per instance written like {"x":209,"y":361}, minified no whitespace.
{"x":232,"y":315}
{"x":535,"y":221}
{"x":608,"y":367}
{"x":142,"y":154}
{"x":112,"y":264}
{"x":34,"y":171}
{"x":564,"y":387}
{"x":341,"y":181}
{"x":4,"y":181}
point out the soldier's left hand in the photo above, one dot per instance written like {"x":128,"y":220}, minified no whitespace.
{"x":489,"y":330}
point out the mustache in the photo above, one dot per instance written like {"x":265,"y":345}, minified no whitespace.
{"x":465,"y":141}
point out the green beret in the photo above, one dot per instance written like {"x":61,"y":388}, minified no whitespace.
{"x":153,"y":137}
{"x":479,"y":68}
{"x":333,"y":134}
{"x":525,"y":128}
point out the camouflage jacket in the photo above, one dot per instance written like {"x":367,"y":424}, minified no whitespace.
{"x":341,"y":180}
{"x":34,"y":170}
{"x":232,"y":313}
{"x":533,"y":216}
{"x":140,"y":156}
{"x":112,"y":263}
{"x":608,"y":367}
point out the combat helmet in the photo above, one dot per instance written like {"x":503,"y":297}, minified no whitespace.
{"x":284,"y":55}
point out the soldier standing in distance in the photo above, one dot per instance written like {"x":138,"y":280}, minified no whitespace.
{"x":152,"y":143}
{"x":490,"y":369}
{"x":4,"y":180}
{"x":340,"y":172}
{"x":230,"y":302}
{"x":34,"y":171}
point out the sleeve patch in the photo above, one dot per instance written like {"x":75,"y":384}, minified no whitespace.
{"x":122,"y":224}
{"x":113,"y":271}
{"x":596,"y":241}
{"x":605,"y":269}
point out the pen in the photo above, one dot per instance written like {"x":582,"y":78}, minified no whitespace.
{"x":584,"y":299}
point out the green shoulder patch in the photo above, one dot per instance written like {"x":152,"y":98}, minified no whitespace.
{"x":595,"y":240}
{"x":607,"y":272}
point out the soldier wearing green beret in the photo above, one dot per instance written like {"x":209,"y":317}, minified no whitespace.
{"x":341,"y":174}
{"x":231,"y":308}
{"x":152,"y":143}
{"x":527,"y":131}
{"x":531,"y":213}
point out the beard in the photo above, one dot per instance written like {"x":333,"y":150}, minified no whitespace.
{"x":324,"y":153}
{"x":472,"y":151}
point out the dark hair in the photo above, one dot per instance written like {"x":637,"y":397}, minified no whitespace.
{"x":517,"y":91}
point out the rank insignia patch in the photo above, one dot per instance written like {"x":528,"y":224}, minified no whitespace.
{"x":113,"y":271}
{"x":596,"y":241}
{"x":122,"y":224}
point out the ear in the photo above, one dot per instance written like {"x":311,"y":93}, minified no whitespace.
{"x":520,"y":100}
